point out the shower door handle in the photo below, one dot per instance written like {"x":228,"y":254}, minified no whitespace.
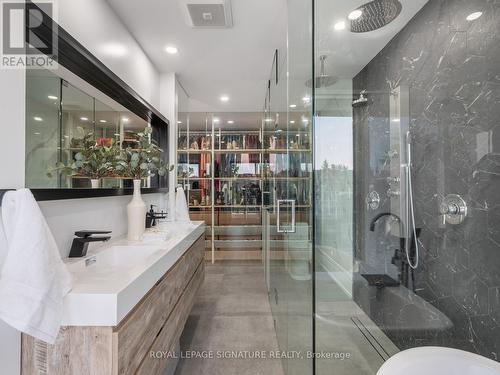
{"x":291,"y":227}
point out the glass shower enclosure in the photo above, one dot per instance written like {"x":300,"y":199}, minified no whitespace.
{"x":401,"y":101}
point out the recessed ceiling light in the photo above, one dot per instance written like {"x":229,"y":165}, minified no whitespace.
{"x":102,"y":121}
{"x":292,"y":122}
{"x":52,"y":97}
{"x":306,"y":99}
{"x":230,"y":121}
{"x":36,"y":133}
{"x":224,"y":98}
{"x":36,"y":118}
{"x":125,"y":119}
{"x":117,"y":134}
{"x":171,"y":49}
{"x":216,"y":120}
{"x":293,"y":105}
{"x":268,"y":120}
{"x":474,"y":16}
{"x":339,"y":26}
{"x":84,"y":118}
{"x":179,"y":122}
{"x":355,"y":14}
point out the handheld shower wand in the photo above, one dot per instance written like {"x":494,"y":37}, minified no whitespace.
{"x":410,"y":210}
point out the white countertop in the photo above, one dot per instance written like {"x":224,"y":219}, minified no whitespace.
{"x":106,"y":290}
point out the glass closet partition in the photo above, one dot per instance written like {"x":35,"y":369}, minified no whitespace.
{"x":195,"y":169}
{"x":237,"y":186}
{"x":287,"y":130}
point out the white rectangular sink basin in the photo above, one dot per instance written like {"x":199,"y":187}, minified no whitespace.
{"x":112,"y":259}
{"x":109,"y":282}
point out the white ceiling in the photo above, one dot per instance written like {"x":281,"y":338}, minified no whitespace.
{"x":349,"y":52}
{"x":237,"y":61}
{"x":211,"y":62}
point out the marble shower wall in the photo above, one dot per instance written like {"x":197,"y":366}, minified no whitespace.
{"x":452,"y":69}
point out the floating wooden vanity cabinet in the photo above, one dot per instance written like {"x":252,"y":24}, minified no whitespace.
{"x":155,"y":324}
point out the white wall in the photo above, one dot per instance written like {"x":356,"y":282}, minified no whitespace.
{"x":109,"y":213}
{"x":96,"y":26}
{"x":12,"y":97}
{"x":169,"y":108}
{"x":12,"y":125}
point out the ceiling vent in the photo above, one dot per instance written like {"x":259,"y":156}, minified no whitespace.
{"x":215,"y":14}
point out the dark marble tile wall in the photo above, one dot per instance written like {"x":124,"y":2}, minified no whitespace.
{"x":452,"y":68}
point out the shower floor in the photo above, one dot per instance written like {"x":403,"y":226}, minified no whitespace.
{"x":342,"y":327}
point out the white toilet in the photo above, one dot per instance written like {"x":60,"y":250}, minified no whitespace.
{"x":434,"y":360}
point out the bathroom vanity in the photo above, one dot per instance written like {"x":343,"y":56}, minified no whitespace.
{"x":129,"y":299}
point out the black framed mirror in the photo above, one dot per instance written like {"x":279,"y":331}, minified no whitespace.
{"x":83,"y":97}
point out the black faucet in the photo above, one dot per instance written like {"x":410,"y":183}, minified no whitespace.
{"x":152,"y":216}
{"x":81,"y":242}
{"x":376,"y":218}
{"x":398,"y":257}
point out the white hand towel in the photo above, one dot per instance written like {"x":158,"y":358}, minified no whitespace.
{"x":171,"y":205}
{"x":33,"y":278}
{"x":181,"y":207}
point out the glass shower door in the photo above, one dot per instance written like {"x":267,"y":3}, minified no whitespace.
{"x":407,"y":149}
{"x":287,"y":125}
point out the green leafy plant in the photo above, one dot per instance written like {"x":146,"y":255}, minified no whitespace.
{"x":235,"y":168}
{"x":93,"y":160}
{"x":143,"y":161}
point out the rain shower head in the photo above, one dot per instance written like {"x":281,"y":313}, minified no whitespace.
{"x":323,"y":80}
{"x":375,"y":15}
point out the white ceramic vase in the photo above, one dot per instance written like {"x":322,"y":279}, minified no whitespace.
{"x":94,"y":183}
{"x":136,"y":212}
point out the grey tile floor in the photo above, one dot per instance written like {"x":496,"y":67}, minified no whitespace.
{"x":231,"y":313}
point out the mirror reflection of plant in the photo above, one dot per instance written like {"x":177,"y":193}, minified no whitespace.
{"x":93,"y":160}
{"x":142,"y":161}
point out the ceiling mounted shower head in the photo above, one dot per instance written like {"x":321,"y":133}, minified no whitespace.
{"x":324,"y":80}
{"x":375,"y":15}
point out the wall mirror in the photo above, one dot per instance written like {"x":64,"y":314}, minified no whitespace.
{"x":59,"y":115}
{"x":80,"y":105}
